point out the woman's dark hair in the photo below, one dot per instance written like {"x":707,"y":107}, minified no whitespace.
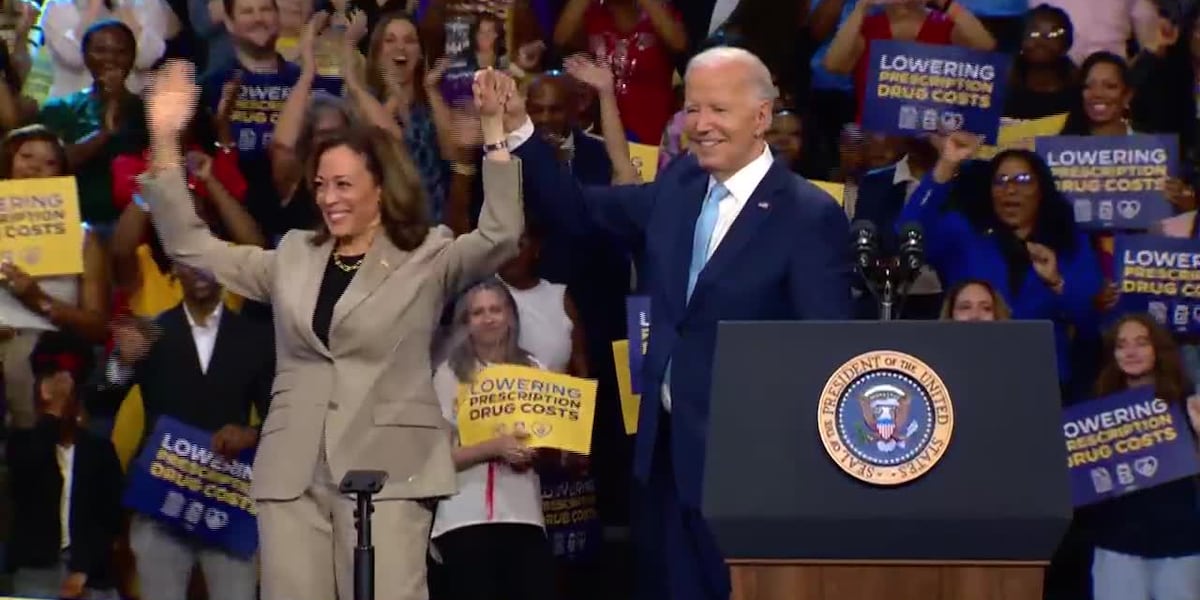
{"x":12,"y":142}
{"x":58,"y":351}
{"x":501,"y":43}
{"x":1055,"y":227}
{"x":1168,"y":103}
{"x":375,"y":80}
{"x":1077,"y":120}
{"x":104,"y":24}
{"x":403,"y":206}
{"x":1170,"y":380}
{"x":1065,"y":66}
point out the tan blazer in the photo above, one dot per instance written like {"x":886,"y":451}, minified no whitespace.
{"x":370,"y":394}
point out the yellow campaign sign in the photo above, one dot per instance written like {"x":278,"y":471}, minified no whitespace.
{"x":837,"y":190}
{"x":556,"y":410}
{"x":630,"y":402}
{"x":40,"y":77}
{"x":40,"y":227}
{"x":645,"y":160}
{"x":1022,"y":133}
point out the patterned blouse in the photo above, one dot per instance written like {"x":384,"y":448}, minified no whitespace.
{"x":420,"y":137}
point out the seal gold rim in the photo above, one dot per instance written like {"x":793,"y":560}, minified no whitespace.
{"x":939,"y":399}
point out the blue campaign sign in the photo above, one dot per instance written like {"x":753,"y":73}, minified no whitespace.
{"x":921,"y":88}
{"x":569,"y":509}
{"x":178,"y":480}
{"x":1160,"y":276}
{"x":1126,"y":442}
{"x":1114,"y":182}
{"x":637,"y":323}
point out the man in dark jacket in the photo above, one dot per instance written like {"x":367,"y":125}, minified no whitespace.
{"x":66,"y":485}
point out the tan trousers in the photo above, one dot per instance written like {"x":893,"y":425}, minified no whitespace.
{"x":307,"y":545}
{"x":18,"y":379}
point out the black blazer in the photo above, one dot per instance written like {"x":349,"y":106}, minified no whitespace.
{"x":36,"y":489}
{"x":239,"y":374}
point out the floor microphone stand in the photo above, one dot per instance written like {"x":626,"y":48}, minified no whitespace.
{"x":363,"y":485}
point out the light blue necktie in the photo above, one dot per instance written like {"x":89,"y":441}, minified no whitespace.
{"x":705,"y":224}
{"x":701,"y":238}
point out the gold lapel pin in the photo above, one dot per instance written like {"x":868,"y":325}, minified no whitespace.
{"x":385,"y":264}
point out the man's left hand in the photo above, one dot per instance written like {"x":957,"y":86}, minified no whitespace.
{"x":231,"y":440}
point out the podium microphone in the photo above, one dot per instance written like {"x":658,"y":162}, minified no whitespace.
{"x":912,"y":248}
{"x":866,"y":244}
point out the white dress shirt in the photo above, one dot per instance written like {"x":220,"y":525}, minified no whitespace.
{"x":205,"y":336}
{"x":66,"y":468}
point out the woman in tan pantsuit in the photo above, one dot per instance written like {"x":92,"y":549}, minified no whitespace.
{"x":355,"y":307}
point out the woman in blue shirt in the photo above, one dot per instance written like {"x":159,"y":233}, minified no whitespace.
{"x":1023,"y":241}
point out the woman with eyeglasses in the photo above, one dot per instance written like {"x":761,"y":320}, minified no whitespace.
{"x":1023,"y":241}
{"x":1043,"y":76}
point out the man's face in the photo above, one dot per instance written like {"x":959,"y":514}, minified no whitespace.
{"x":254,"y":24}
{"x":109,"y":50}
{"x":549,"y":109}
{"x":725,"y":118}
{"x":198,"y":286}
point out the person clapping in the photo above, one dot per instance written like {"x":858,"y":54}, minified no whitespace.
{"x":1004,"y":222}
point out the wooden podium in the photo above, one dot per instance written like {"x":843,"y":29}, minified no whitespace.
{"x":835,"y":580}
{"x":980,"y":524}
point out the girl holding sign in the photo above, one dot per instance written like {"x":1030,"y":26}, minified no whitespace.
{"x":490,"y":537}
{"x":1147,"y":542}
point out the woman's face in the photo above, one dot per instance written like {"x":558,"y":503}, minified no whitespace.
{"x":347,"y":193}
{"x":1105,"y":95}
{"x":1045,"y":40}
{"x":1134,"y":351}
{"x":1015,"y":197}
{"x":109,"y":50}
{"x":35,"y":159}
{"x":488,"y":317}
{"x":486,"y":35}
{"x":973,"y":303}
{"x":400,"y":51}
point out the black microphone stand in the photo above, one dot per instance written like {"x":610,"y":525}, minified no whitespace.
{"x":364,"y":485}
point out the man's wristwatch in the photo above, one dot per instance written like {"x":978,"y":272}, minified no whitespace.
{"x":500,"y":145}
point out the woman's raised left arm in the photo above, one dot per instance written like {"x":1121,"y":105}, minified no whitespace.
{"x":502,"y":220}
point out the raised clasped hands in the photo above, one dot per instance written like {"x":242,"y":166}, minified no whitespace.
{"x":171,"y":100}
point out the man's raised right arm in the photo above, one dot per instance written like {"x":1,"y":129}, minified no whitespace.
{"x":557,"y":199}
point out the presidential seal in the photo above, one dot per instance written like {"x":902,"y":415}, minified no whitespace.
{"x":885,"y":417}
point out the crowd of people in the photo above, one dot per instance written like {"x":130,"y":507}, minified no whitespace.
{"x":234,"y":159}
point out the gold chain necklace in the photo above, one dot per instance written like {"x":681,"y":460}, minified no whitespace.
{"x":348,"y":268}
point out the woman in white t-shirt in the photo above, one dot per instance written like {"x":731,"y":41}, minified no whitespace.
{"x":489,"y":537}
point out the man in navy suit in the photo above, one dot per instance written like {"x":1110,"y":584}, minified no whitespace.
{"x":725,"y":233}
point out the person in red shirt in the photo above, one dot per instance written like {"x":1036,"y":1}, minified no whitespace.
{"x":940,"y":22}
{"x":639,"y":38}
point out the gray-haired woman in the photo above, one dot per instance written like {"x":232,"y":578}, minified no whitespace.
{"x":490,"y":537}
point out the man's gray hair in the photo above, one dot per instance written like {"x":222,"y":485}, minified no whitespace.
{"x":757,"y":72}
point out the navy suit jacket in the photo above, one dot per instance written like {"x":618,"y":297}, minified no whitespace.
{"x":786,"y":257}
